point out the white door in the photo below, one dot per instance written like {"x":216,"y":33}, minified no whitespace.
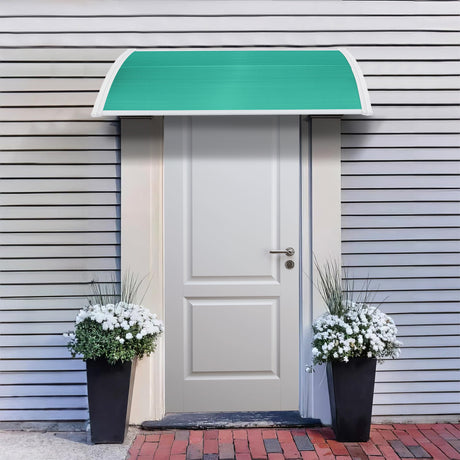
{"x":232,"y":307}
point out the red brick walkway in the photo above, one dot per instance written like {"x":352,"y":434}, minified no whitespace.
{"x":393,"y":442}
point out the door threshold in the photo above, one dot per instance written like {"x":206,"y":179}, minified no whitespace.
{"x":222,"y":420}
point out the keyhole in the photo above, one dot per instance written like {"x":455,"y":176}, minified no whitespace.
{"x":289,"y":264}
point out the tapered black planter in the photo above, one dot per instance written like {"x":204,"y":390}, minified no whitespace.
{"x":351,"y":391}
{"x":109,"y":398}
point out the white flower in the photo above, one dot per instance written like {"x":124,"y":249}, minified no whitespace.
{"x":99,"y":317}
{"x":363,"y":330}
{"x":120,"y":316}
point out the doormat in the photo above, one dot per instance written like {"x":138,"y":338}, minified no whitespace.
{"x":207,"y":420}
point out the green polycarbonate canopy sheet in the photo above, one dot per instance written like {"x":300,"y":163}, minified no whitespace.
{"x":249,"y":80}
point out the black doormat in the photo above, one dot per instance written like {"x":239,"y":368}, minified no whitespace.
{"x":207,"y":420}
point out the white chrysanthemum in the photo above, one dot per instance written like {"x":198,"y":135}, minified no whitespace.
{"x":362,"y":331}
{"x":133,"y":320}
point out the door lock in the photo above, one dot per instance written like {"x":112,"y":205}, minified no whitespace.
{"x":289,"y":264}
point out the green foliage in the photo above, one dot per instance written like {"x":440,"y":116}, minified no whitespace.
{"x":362,"y":332}
{"x":352,"y":327}
{"x":91,"y":341}
{"x":111,"y":293}
{"x":331,"y":287}
{"x":112,"y":326}
{"x":338,"y":291}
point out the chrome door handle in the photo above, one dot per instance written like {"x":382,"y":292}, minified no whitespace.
{"x":288,"y":251}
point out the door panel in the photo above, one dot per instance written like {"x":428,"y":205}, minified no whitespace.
{"x":211,"y":322}
{"x":234,"y":195}
{"x":232,"y":308}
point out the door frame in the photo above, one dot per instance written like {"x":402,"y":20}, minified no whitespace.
{"x":142,"y":248}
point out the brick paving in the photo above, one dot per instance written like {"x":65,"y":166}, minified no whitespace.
{"x":440,"y":441}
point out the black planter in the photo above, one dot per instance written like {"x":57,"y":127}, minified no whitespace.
{"x":351,"y":391}
{"x":109,"y":398}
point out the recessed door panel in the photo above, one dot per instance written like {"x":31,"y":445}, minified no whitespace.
{"x":236,"y":346}
{"x":233,"y":196}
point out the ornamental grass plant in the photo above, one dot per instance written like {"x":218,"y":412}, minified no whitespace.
{"x":352,"y":327}
{"x":113,"y":326}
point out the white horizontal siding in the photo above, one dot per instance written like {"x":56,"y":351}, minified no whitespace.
{"x":43,"y":340}
{"x":69,"y":184}
{"x":32,"y":415}
{"x":21,"y":365}
{"x":266,"y":23}
{"x":36,"y":353}
{"x":439,"y":140}
{"x":45,"y":252}
{"x":401,"y":222}
{"x":53,"y":157}
{"x":41,"y":303}
{"x":43,"y":390}
{"x":417,"y":398}
{"x":427,"y":375}
{"x":44,"y":113}
{"x":417,"y":409}
{"x":59,"y":228}
{"x":60,"y":188}
{"x":57,"y":199}
{"x":61,"y":276}
{"x":95,"y":128}
{"x":433,"y":340}
{"x":239,"y":7}
{"x":424,"y":387}
{"x":402,"y":154}
{"x":49,"y":171}
{"x":92,"y":265}
{"x":56,"y":212}
{"x":401,"y":273}
{"x":235,"y":39}
{"x":37,"y":402}
{"x":86,"y":55}
{"x":60,"y":142}
{"x":392,"y":127}
{"x":403,"y":181}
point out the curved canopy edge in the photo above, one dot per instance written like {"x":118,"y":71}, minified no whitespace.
{"x":233,"y":82}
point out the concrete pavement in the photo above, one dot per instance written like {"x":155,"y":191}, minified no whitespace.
{"x":32,"y":445}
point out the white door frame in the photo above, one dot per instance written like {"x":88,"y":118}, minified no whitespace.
{"x":142,"y":243}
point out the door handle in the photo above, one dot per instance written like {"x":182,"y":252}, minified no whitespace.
{"x":288,"y":251}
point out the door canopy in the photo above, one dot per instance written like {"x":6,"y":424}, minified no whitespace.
{"x":233,"y":82}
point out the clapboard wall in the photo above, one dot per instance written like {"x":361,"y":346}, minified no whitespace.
{"x":59,"y":206}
